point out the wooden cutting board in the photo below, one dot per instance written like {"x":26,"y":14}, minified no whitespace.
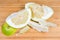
{"x":9,"y":6}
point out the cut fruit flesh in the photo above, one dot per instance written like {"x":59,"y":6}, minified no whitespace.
{"x":48,"y":12}
{"x":19,"y":19}
{"x":39,"y":12}
{"x":38,"y":27}
{"x":43,"y":22}
{"x":25,"y":29}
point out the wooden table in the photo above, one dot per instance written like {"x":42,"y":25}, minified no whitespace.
{"x":9,"y":6}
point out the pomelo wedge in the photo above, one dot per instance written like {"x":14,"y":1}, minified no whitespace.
{"x":19,"y":19}
{"x":39,"y":12}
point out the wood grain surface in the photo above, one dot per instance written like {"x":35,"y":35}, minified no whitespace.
{"x":9,"y":6}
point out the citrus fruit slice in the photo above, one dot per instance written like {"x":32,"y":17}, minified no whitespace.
{"x":19,"y":19}
{"x":39,"y":12}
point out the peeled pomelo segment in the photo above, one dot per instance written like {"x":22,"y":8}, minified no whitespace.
{"x":43,"y":22}
{"x":48,"y":12}
{"x":24,"y":30}
{"x":37,"y":11}
{"x":51,"y":24}
{"x":38,"y":27}
{"x":19,"y":19}
{"x":45,"y":28}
